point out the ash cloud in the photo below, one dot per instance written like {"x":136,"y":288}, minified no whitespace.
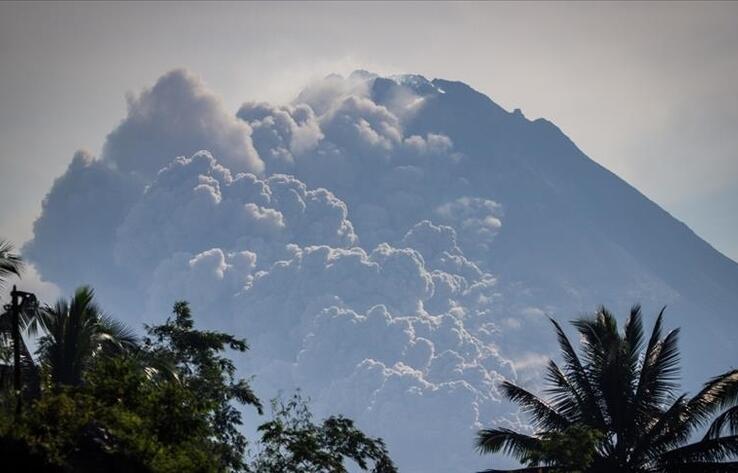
{"x":178,"y":116}
{"x":350,"y":251}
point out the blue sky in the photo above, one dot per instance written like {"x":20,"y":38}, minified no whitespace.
{"x":645,"y":89}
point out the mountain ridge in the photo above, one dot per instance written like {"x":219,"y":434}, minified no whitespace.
{"x":720,"y":268}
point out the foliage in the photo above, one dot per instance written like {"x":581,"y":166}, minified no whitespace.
{"x":161,"y":424}
{"x":208,"y":376}
{"x":61,"y":432}
{"x":162,"y":406}
{"x":292,"y":442}
{"x":11,"y":264}
{"x":76,"y":332}
{"x":575,"y":447}
{"x":166,"y":404}
{"x":622,"y":390}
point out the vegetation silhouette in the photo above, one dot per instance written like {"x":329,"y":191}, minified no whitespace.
{"x":76,"y":332}
{"x":293,"y":442}
{"x":614,"y":408}
{"x":101,"y":399}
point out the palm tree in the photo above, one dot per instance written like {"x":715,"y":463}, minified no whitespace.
{"x":76,"y":332}
{"x":623,"y":387}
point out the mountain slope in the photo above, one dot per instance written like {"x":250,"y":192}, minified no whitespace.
{"x":572,"y":222}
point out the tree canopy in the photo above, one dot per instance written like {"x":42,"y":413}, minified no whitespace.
{"x":169,"y":402}
{"x":293,"y":442}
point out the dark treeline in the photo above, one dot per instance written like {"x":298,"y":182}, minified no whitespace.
{"x":96,"y":397}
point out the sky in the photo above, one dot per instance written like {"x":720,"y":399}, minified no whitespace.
{"x":645,"y":89}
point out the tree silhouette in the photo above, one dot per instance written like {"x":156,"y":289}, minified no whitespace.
{"x":622,"y":388}
{"x":75,"y":332}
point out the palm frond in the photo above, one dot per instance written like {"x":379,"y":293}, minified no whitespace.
{"x":664,"y":367}
{"x":579,"y":378}
{"x":667,"y":431}
{"x":11,"y":264}
{"x":120,"y":334}
{"x":646,"y":375}
{"x":719,"y":393}
{"x":597,"y":335}
{"x":564,"y":396}
{"x":544,"y":415}
{"x":710,"y":450}
{"x":728,"y":419}
{"x":76,"y":331}
{"x":509,"y":442}
{"x":610,"y":365}
{"x":32,"y":322}
{"x":634,"y":336}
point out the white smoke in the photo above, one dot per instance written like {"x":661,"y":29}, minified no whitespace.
{"x":178,"y":116}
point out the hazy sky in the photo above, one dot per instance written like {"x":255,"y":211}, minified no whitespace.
{"x":648,"y":90}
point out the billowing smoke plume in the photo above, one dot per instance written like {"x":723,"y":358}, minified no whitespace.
{"x":178,"y":116}
{"x":366,"y":301}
